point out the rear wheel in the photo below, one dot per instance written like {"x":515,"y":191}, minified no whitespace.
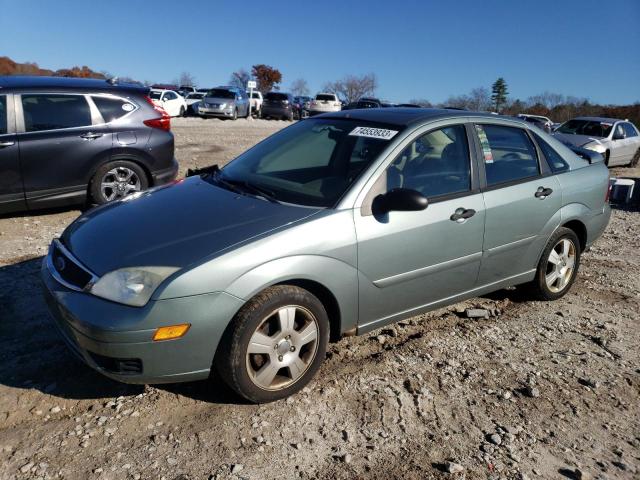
{"x":558,"y":265}
{"x":183,"y":112}
{"x":635,"y":160}
{"x":116,"y":180}
{"x":274,"y":345}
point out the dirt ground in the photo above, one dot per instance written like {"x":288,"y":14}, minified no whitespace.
{"x":537,"y":390}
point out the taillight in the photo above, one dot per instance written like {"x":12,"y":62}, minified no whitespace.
{"x":163,"y":122}
{"x":609,"y":186}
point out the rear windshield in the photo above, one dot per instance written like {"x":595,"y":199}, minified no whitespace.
{"x":591,"y":128}
{"x":255,"y":95}
{"x":220,"y":93}
{"x":276,"y":96}
{"x":326,"y":97}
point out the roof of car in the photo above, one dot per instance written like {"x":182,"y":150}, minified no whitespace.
{"x":599,"y":119}
{"x":72,"y":83}
{"x":404,"y":116}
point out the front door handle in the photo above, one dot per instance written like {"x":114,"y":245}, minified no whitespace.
{"x":543,"y":193}
{"x":462,"y":214}
{"x":91,"y":135}
{"x":6,"y":144}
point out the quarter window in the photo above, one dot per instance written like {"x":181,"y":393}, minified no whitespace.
{"x":435,"y":164}
{"x":53,"y":112}
{"x":3,"y":114}
{"x":112,"y":108}
{"x":554,"y":159}
{"x":508,"y":153}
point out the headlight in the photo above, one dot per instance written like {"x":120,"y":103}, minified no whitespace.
{"x":595,"y":147}
{"x":223,"y":105}
{"x":131,"y":286}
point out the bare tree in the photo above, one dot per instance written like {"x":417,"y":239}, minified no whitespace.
{"x":479,"y":99}
{"x":548,"y":99}
{"x":353,"y":87}
{"x":240,"y":78}
{"x":300,"y":87}
{"x":185,"y":79}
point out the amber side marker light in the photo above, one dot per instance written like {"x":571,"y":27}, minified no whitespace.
{"x":171,"y":332}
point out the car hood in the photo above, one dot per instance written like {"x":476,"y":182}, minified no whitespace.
{"x":177,"y":226}
{"x":576,"y":140}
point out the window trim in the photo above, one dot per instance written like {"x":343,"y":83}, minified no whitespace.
{"x":484,"y":185}
{"x":20,"y":123}
{"x":11,"y":114}
{"x":99,"y":116}
{"x":545,"y":160}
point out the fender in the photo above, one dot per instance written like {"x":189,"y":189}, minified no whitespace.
{"x":340,"y":278}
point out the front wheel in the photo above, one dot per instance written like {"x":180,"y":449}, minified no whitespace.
{"x":558,"y":266}
{"x":274,"y":345}
{"x":183,"y":112}
{"x":235,"y":114}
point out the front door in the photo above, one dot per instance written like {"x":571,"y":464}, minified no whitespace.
{"x":408,"y":261}
{"x":11,"y":189}
{"x":522,"y":203}
{"x":59,"y":146}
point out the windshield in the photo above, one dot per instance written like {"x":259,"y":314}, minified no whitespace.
{"x":590,"y":128}
{"x":311,"y":163}
{"x":220,"y":93}
{"x":155,"y":95}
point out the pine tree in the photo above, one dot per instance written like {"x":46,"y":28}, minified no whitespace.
{"x":499,"y":93}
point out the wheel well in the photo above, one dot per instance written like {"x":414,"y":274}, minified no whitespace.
{"x":580,"y":230}
{"x":328,"y":301}
{"x":125,"y":158}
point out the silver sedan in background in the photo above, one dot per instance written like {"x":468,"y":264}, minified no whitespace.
{"x":618,"y":141}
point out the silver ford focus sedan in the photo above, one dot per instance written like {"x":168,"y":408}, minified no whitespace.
{"x":334,"y":226}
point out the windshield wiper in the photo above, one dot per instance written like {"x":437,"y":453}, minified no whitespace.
{"x":247,"y":186}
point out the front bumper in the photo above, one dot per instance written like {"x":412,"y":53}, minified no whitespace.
{"x":215,"y":112}
{"x":116,"y":339}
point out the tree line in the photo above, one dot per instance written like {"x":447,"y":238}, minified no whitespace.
{"x":350,"y":88}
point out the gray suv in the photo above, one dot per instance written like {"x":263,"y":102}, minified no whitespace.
{"x":64,"y":141}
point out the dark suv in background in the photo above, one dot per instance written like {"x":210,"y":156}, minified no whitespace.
{"x":65,"y":141}
{"x":278,"y":105}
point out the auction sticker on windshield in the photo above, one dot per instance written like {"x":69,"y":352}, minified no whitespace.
{"x":381,"y":133}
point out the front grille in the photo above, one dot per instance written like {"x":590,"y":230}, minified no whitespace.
{"x":67,"y":269}
{"x":121,"y":366}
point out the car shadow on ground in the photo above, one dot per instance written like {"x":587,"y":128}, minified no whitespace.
{"x":82,"y":208}
{"x":33,"y":355}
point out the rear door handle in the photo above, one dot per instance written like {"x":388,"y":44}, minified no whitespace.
{"x":543,"y":193}
{"x":462,"y":214}
{"x":6,"y":144}
{"x":91,"y":135}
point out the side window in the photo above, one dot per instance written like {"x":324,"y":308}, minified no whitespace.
{"x":3,"y":114}
{"x":509,"y":155}
{"x":437,"y":163}
{"x":112,"y":108}
{"x":630,"y":130}
{"x":53,"y":112}
{"x":619,"y":132}
{"x":555,"y":161}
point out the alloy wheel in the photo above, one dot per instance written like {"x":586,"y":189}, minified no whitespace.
{"x":282,"y":348}
{"x":118,"y":183}
{"x":560,"y":265}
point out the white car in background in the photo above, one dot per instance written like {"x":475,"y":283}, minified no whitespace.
{"x":173,"y":103}
{"x":256,"y":102}
{"x":618,"y":141}
{"x":193,"y":99}
{"x":323,"y":103}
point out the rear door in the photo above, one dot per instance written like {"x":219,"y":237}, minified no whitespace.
{"x":63,"y":139}
{"x":632,"y":139}
{"x":522,"y":199}
{"x":11,"y":188}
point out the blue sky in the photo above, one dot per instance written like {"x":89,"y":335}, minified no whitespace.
{"x":417,"y":49}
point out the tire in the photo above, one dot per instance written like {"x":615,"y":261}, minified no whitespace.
{"x":540,"y":287}
{"x":248,"y":112}
{"x":635,"y":160}
{"x":266,"y":374}
{"x":183,"y":113}
{"x":125,"y":178}
{"x":235,"y":114}
{"x":606,"y":158}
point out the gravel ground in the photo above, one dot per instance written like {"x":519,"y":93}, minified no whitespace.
{"x":537,"y":390}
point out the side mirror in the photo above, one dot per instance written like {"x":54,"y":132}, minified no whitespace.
{"x":400,"y":200}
